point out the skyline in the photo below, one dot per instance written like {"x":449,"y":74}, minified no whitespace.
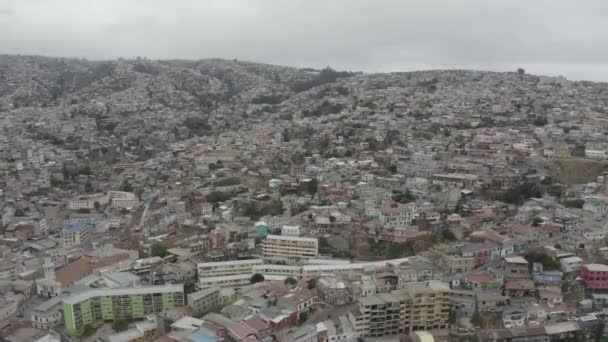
{"x":545,"y":38}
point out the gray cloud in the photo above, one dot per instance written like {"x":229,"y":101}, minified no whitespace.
{"x":543,"y":36}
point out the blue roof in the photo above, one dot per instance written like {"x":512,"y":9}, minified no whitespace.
{"x":74,"y":228}
{"x":203,"y":335}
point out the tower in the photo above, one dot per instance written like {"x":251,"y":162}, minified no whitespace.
{"x":49,"y":269}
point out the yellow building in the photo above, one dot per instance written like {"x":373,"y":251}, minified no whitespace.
{"x":289,"y":247}
{"x":415,"y":307}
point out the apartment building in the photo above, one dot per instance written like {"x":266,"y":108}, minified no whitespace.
{"x":290,"y":247}
{"x":93,"y":307}
{"x":415,"y":307}
{"x":570,"y":264}
{"x":515,"y":267}
{"x":122,"y":199}
{"x":48,"y":314}
{"x":205,"y":299}
{"x":231,"y":281}
{"x":74,"y":235}
{"x":400,"y":216}
{"x":87,"y":202}
{"x":595,"y":276}
{"x":225,"y":268}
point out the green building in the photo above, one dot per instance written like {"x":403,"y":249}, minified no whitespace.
{"x":94,"y":306}
{"x":261,"y":229}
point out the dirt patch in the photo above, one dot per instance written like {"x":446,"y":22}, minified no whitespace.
{"x":576,"y":171}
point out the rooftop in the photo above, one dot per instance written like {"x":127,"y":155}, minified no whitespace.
{"x":596,"y":267}
{"x":127,"y":291}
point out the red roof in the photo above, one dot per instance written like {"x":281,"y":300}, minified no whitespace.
{"x":479,"y":278}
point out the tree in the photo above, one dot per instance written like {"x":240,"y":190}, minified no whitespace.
{"x":400,"y":250}
{"x":547,"y":262}
{"x":312,"y":283}
{"x":291,"y":281}
{"x":312,"y":186}
{"x":448,"y":235}
{"x":158,"y":249}
{"x":404,"y":197}
{"x":539,"y":121}
{"x":303,"y":317}
{"x":256,"y":278}
{"x":19,"y":212}
{"x":120,"y":325}
{"x":521,"y":71}
{"x":576,"y":203}
{"x":126,"y":186}
{"x":477,"y":320}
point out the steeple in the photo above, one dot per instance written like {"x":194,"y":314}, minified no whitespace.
{"x":49,"y":269}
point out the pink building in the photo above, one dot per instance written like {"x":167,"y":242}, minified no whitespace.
{"x":595,"y":276}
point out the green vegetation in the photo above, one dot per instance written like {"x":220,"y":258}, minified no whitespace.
{"x":404,"y":197}
{"x":312,"y":283}
{"x":256,"y":278}
{"x":539,"y":121}
{"x":575,"y":203}
{"x":196,"y":124}
{"x":255,"y":210}
{"x":400,"y":250}
{"x":213,"y":309}
{"x":228,"y":181}
{"x":517,"y":194}
{"x":158,"y":249}
{"x":327,"y":75}
{"x":218,"y":196}
{"x":120,"y":325}
{"x":477,"y":320}
{"x":303,"y":317}
{"x":291,"y":281}
{"x":547,"y":262}
{"x":575,"y":170}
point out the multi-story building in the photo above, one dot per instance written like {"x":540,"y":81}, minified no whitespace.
{"x":205,"y":299}
{"x":224,"y":268}
{"x":290,"y":247}
{"x":74,"y":235}
{"x":570,"y":264}
{"x":430,"y":304}
{"x":595,"y":276}
{"x":401,"y":215}
{"x":87,"y":202}
{"x":231,"y":281}
{"x":417,"y":306}
{"x":122,"y":199}
{"x":516,"y":267}
{"x":47,"y":314}
{"x":290,"y":230}
{"x":93,"y":307}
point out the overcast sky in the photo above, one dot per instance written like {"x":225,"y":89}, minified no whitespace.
{"x":549,"y":37}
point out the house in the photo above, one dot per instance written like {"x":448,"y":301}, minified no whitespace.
{"x":513,"y":317}
{"x":333,"y":290}
{"x":550,"y":295}
{"x":570,"y":264}
{"x":299,"y":300}
{"x":515,"y":267}
{"x":595,"y":276}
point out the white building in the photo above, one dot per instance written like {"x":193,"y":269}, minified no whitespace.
{"x":122,"y":199}
{"x":87,"y":202}
{"x":294,"y":247}
{"x":48,"y":314}
{"x":74,"y":235}
{"x":570,"y":264}
{"x":290,"y":230}
{"x":225,"y":268}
